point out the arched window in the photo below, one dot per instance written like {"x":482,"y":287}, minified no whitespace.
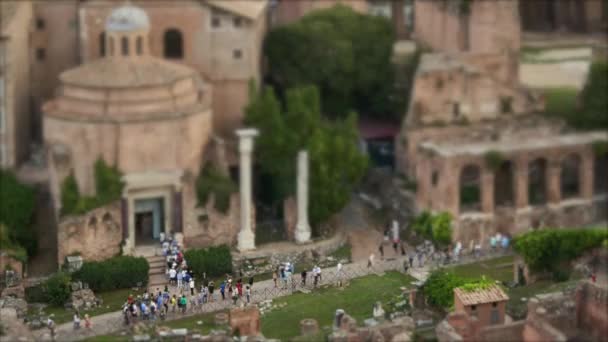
{"x":570,"y":176}
{"x":139,"y":45}
{"x":469,"y":189}
{"x":503,"y":185}
{"x":173,"y":42}
{"x":102,"y":44}
{"x":124,"y":46}
{"x":537,"y":182}
{"x":111,"y":46}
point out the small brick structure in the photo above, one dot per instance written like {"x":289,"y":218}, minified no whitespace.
{"x":245,"y":320}
{"x":309,"y":327}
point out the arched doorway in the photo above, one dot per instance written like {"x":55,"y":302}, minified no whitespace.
{"x":503,"y":185}
{"x":470,"y":189}
{"x":173,"y":44}
{"x":537,"y":181}
{"x":569,"y":177}
{"x":600,"y":173}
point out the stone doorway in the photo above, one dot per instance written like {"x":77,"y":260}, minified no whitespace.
{"x":149,"y":221}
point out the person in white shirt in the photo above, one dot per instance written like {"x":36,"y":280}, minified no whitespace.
{"x":173,"y":275}
{"x":192,"y":286}
{"x":339,"y":274}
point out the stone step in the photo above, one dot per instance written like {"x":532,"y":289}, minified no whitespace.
{"x":157,"y":280}
{"x":156,"y":271}
{"x":156,"y":258}
{"x":157,"y":264}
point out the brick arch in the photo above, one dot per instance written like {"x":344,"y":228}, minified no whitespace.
{"x":469,"y":188}
{"x":173,"y":44}
{"x":570,"y":170}
{"x":537,"y":181}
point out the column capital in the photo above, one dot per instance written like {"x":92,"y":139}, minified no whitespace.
{"x":246,"y":136}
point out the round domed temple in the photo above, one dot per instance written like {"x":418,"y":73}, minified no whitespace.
{"x":149,"y":117}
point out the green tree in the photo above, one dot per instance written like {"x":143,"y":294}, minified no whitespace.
{"x":336,"y":164}
{"x":594,"y":99}
{"x":17,"y":204}
{"x":345,"y":53}
{"x":434,"y":227}
{"x":108,"y":181}
{"x":70,"y":195}
{"x":57,"y":288}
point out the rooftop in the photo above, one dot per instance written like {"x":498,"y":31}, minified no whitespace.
{"x":515,"y":145}
{"x":250,"y":9}
{"x":112,"y":72}
{"x":489,"y":295}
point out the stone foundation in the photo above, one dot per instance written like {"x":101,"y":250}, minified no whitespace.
{"x":96,"y":235}
{"x":245,"y":320}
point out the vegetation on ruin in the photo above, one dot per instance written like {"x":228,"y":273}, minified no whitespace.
{"x":57,"y":289}
{"x":493,"y":159}
{"x":211,"y":181}
{"x":119,"y":272}
{"x":9,"y":246}
{"x":477,"y":285}
{"x":335,"y":162}
{"x":213,"y":261}
{"x":551,"y":250}
{"x":345,"y":53}
{"x":108,"y":188}
{"x":600,"y":148}
{"x":17,"y":202}
{"x":439,"y":288}
{"x":434,"y":227}
{"x":357,"y":299}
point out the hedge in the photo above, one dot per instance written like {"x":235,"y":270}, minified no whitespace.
{"x":57,"y":289}
{"x":548,"y":249}
{"x":213,"y":261}
{"x":119,"y":272}
{"x":17,"y":205}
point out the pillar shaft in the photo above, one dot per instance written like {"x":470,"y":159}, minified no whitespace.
{"x":521,"y":184}
{"x":586,"y":174}
{"x":487,"y":192}
{"x":246,"y":238}
{"x":302,"y":227}
{"x":553,"y":183}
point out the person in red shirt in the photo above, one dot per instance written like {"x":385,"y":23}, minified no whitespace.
{"x":130,"y":299}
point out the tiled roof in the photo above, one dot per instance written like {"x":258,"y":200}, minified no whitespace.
{"x":489,"y":295}
{"x":250,"y":9}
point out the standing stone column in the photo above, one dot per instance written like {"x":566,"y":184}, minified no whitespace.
{"x":521,"y":184}
{"x":302,"y":227}
{"x":487,"y":191}
{"x":554,"y":194}
{"x":246,"y":238}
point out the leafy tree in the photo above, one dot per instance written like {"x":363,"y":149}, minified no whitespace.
{"x":437,"y":228}
{"x":57,"y":288}
{"x":17,"y":203}
{"x":347,"y":54}
{"x":108,"y":181}
{"x":439,"y":288}
{"x":594,"y":99}
{"x":212,"y":181}
{"x":336,"y":164}
{"x":70,"y":195}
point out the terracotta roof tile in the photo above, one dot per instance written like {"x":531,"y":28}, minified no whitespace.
{"x":489,"y":295}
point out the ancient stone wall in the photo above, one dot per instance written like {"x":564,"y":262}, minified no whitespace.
{"x":245,"y":320}
{"x":8,"y":262}
{"x":96,"y":235}
{"x":592,"y":309}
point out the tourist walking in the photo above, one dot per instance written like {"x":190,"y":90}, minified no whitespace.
{"x":370,"y":260}
{"x":211,"y":289}
{"x":87,"y":321}
{"x":248,"y":293}
{"x":192,"y":286}
{"x":51,"y":325}
{"x":173,"y":303}
{"x":235,"y":297}
{"x":76,"y":321}
{"x":274,"y":278}
{"x":381,"y":250}
{"x":303,"y":275}
{"x":223,"y":290}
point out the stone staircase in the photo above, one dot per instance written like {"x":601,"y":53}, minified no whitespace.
{"x":157,"y":262}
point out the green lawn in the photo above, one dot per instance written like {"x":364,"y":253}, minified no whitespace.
{"x":357,"y":300}
{"x":500,"y":269}
{"x":112,"y":301}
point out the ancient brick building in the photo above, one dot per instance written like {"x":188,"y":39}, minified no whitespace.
{"x":128,"y":107}
{"x":471,"y":138}
{"x":564,"y":15}
{"x":221,"y":40}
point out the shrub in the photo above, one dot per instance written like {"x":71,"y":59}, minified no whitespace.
{"x":119,"y":272}
{"x":57,"y":289}
{"x":214,"y":261}
{"x":493,"y":159}
{"x":437,"y":228}
{"x":594,"y":99}
{"x":439,"y":288}
{"x":17,"y":202}
{"x":212,"y":181}
{"x":548,"y":249}
{"x":13,"y":249}
{"x":108,"y":188}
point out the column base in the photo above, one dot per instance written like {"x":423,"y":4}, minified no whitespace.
{"x":246,"y":240}
{"x":302,"y":233}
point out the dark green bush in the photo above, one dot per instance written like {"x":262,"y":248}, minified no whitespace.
{"x":212,"y":181}
{"x":439,"y":288}
{"x":549,"y":249}
{"x":594,"y":99}
{"x":214,"y":261}
{"x":57,"y":289}
{"x":119,"y":272}
{"x":108,"y":188}
{"x":469,"y":194}
{"x":17,"y":202}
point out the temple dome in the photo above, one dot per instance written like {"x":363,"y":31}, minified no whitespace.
{"x":127,"y":18}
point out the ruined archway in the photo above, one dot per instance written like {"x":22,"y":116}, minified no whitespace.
{"x":470,"y":189}
{"x":537,"y":182}
{"x":503,"y":185}
{"x":600,"y":174}
{"x":569,"y":176}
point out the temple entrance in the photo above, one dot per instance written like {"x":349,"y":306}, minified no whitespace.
{"x":149,"y":220}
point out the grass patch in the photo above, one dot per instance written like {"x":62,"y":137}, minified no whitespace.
{"x":357,"y":300}
{"x":500,"y":269}
{"x":190,"y":323}
{"x":109,"y":338}
{"x":112,"y":302}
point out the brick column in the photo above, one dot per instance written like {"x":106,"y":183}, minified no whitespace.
{"x":521,"y":183}
{"x":585,"y":174}
{"x":553,"y":182}
{"x":487,"y":191}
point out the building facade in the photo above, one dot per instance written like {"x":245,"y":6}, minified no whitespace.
{"x":564,"y":15}
{"x":15,"y":121}
{"x":221,"y":40}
